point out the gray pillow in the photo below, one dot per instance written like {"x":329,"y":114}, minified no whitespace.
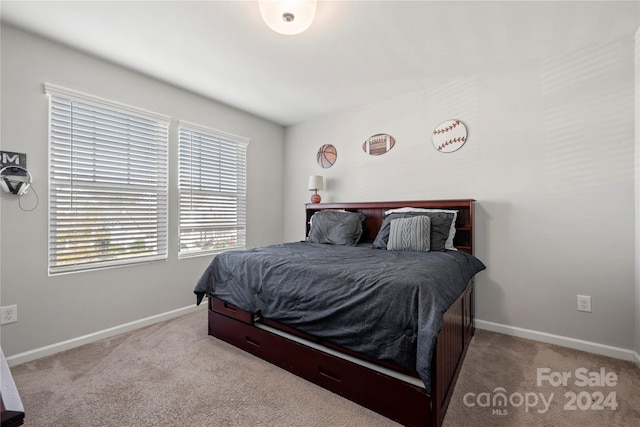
{"x":410,"y":234}
{"x":452,"y":231}
{"x":336,"y":227}
{"x":440,"y":227}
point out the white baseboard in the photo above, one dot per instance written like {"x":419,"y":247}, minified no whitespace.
{"x":605,"y":350}
{"x":96,"y":336}
{"x":588,"y":346}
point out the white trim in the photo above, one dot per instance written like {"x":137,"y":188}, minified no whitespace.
{"x":71,"y":269}
{"x":588,"y":346}
{"x":48,"y":350}
{"x":27,"y":356}
{"x":214,"y":132}
{"x":75,"y":95}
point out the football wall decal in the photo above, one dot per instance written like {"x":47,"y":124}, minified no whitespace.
{"x":378,"y":144}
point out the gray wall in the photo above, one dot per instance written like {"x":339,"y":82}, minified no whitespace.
{"x":638,"y":196}
{"x":550,"y":160}
{"x":59,"y":308}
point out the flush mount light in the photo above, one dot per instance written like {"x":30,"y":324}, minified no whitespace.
{"x":288,"y":16}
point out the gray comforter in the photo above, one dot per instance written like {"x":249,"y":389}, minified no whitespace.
{"x":385,"y":304}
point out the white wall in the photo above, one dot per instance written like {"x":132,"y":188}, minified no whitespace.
{"x":550,"y":160}
{"x":54,"y":309}
{"x":638,"y":196}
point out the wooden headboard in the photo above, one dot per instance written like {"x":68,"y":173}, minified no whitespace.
{"x":374,"y":212}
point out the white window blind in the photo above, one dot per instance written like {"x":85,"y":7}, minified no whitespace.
{"x":107,"y":183}
{"x":212,"y":189}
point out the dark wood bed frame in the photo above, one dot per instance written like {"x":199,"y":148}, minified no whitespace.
{"x":398,"y":400}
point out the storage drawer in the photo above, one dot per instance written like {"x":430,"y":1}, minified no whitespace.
{"x":343,"y":377}
{"x":231,"y":310}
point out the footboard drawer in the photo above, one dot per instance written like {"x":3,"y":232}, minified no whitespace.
{"x":368,"y":388}
{"x":230,"y":310}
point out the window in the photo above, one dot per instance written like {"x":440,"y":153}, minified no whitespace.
{"x":107,"y":183}
{"x":212,"y":189}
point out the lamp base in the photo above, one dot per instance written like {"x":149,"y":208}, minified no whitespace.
{"x":315,"y":198}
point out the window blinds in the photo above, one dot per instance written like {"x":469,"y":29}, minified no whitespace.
{"x":212,"y":190}
{"x":107,"y":183}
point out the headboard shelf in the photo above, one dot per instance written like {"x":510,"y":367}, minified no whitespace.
{"x":374,"y":212}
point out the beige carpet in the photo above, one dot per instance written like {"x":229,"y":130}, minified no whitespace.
{"x":174,"y":374}
{"x":497,"y":360}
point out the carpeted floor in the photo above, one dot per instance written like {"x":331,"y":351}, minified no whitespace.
{"x":174,"y":374}
{"x":516,"y":365}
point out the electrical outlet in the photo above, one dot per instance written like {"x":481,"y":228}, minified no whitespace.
{"x":9,"y":314}
{"x":584,"y":303}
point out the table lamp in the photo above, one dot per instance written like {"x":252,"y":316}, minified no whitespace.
{"x":315,"y":184}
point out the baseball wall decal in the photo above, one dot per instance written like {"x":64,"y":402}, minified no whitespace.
{"x":449,"y":136}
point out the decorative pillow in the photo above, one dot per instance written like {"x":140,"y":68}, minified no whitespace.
{"x":336,"y":227}
{"x":452,"y":231}
{"x":440,"y":228}
{"x":410,"y":234}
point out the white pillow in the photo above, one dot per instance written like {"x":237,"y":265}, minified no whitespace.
{"x":452,"y":231}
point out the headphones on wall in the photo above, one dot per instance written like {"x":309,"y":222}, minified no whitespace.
{"x":15,"y":180}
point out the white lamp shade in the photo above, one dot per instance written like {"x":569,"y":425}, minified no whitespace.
{"x":315,"y":182}
{"x":288,"y":16}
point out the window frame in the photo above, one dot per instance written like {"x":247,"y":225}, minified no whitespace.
{"x":242,"y":144}
{"x":157,"y":191}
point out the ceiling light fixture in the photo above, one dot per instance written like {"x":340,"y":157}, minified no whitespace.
{"x":288,"y":16}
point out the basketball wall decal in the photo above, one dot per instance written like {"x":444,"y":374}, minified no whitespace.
{"x":449,"y":136}
{"x":327,"y":156}
{"x":378,"y":144}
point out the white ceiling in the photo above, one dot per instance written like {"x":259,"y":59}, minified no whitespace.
{"x":355,"y":52}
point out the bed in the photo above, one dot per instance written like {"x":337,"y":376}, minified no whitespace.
{"x":367,"y":311}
